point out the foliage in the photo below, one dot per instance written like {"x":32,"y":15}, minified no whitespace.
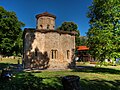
{"x":77,"y":39}
{"x":104,"y":63}
{"x":68,"y":26}
{"x":10,"y":33}
{"x":118,"y":62}
{"x":104,"y":33}
{"x":71,"y":26}
{"x":18,"y":44}
{"x":28,"y":81}
{"x":83,"y":40}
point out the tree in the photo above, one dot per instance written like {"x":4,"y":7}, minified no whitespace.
{"x":104,"y":33}
{"x":71,"y":26}
{"x":83,"y":40}
{"x":18,"y":44}
{"x":10,"y":31}
{"x":68,"y":26}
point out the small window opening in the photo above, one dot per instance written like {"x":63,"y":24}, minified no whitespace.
{"x":48,"y":26}
{"x":54,"y":54}
{"x":41,"y":26}
{"x":36,"y":54}
{"x":68,"y":54}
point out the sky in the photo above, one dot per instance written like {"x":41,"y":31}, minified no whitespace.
{"x":64,"y":10}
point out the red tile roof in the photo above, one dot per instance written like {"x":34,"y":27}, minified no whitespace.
{"x":80,"y":48}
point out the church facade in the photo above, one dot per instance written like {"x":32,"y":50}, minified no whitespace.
{"x":47,"y":48}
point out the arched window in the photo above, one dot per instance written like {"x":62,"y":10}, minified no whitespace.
{"x":48,"y":26}
{"x":36,"y":53}
{"x":54,"y":54}
{"x":41,"y":26}
{"x":68,"y":54}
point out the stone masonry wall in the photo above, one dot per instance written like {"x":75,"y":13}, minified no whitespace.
{"x":39,"y":47}
{"x":43,"y":22}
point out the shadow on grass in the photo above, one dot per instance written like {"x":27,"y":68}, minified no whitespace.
{"x":11,"y":66}
{"x":99,"y":84}
{"x":90,"y":69}
{"x":4,"y":65}
{"x":27,"y":81}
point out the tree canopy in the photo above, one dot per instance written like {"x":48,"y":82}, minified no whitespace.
{"x":83,"y":40}
{"x":104,"y":33}
{"x":68,"y":26}
{"x":10,"y":32}
{"x":71,"y":26}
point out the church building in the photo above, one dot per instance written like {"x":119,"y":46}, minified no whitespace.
{"x":47,"y":48}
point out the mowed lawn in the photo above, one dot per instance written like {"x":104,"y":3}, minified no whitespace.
{"x":10,"y":60}
{"x":91,"y":78}
{"x":5,"y":62}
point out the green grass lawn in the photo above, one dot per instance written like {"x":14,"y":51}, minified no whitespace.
{"x":10,"y":60}
{"x":5,"y":62}
{"x":91,"y":78}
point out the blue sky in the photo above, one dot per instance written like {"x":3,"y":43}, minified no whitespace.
{"x":65,"y":10}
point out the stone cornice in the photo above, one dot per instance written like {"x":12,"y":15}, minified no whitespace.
{"x":49,"y":31}
{"x":45,"y":14}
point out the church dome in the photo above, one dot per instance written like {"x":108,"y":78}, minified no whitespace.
{"x":45,"y":21}
{"x":45,"y":14}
